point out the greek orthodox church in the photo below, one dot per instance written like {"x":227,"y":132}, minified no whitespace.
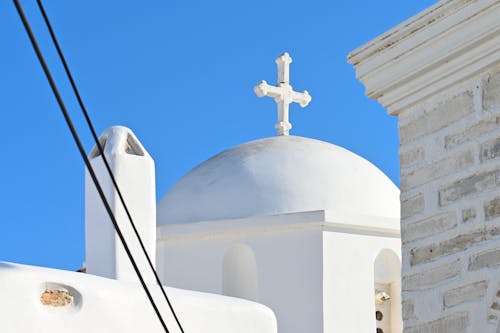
{"x":283,"y":234}
{"x":290,"y":234}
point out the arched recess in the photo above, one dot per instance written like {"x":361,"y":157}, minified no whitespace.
{"x":239,"y":273}
{"x":387,"y":289}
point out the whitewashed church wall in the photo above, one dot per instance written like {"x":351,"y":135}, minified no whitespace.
{"x":348,"y":279}
{"x":289,"y":273}
{"x":387,"y":278}
{"x":239,"y":273}
{"x":450,"y":203}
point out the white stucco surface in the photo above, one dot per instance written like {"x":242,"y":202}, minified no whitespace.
{"x":315,"y":270}
{"x":288,"y":267}
{"x":296,"y":222}
{"x":349,"y":277}
{"x":279,"y":175}
{"x":134,"y":171}
{"x":105,"y":305}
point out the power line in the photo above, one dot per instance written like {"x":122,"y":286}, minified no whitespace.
{"x":76,"y":138}
{"x":101,"y":150}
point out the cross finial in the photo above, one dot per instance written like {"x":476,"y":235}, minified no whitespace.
{"x":283,"y":93}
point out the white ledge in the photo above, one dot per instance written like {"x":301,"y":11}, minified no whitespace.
{"x":443,"y":45}
{"x":320,"y":219}
{"x":98,"y":304}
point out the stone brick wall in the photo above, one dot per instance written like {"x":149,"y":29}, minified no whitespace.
{"x":450,"y":209}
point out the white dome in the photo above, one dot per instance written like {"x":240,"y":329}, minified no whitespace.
{"x":282,"y":174}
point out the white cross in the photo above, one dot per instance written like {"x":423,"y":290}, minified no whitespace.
{"x":283,"y":93}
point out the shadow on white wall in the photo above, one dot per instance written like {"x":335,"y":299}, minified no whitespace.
{"x":239,"y":273}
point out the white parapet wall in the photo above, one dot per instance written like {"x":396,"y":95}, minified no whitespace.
{"x":134,"y":172}
{"x":439,"y":72}
{"x":36,"y":299}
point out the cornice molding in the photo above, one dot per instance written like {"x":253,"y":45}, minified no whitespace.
{"x":443,"y":45}
{"x":320,"y":220}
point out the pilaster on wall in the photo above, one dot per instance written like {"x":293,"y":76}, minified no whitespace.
{"x":440,"y":73}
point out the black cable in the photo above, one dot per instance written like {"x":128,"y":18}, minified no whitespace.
{"x":83,"y":153}
{"x":101,"y":151}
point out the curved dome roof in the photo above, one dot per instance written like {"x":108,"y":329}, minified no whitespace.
{"x":282,"y":174}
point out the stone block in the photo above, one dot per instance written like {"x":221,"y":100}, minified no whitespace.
{"x":412,"y":205}
{"x":468,"y":214}
{"x":432,"y":276}
{"x":408,"y":308}
{"x":478,"y":182}
{"x":429,"y":226}
{"x":473,"y":132}
{"x":458,"y":243}
{"x":490,"y":150}
{"x":488,"y":258}
{"x":442,"y":115}
{"x":453,"y":323}
{"x":491,"y":88}
{"x":56,"y":298}
{"x":411,"y":157}
{"x":492,"y":209}
{"x":495,"y":306}
{"x":436,"y":169}
{"x":466,"y":293}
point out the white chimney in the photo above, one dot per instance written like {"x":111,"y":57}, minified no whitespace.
{"x":134,"y":172}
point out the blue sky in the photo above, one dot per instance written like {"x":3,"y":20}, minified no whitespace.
{"x":180,"y":74}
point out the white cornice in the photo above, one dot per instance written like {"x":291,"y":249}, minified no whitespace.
{"x":443,"y":45}
{"x":319,"y":220}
